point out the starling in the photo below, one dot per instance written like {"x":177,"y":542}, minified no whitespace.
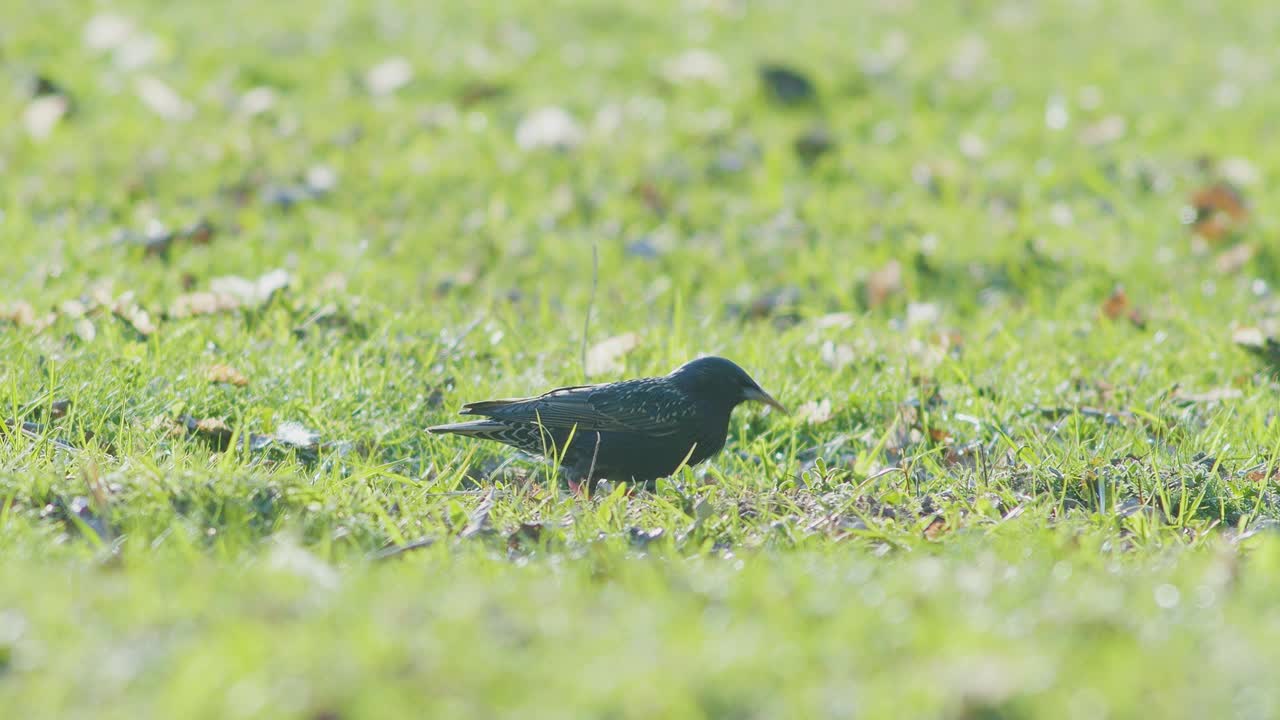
{"x":635,"y":430}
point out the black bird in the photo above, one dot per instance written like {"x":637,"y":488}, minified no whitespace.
{"x":635,"y":430}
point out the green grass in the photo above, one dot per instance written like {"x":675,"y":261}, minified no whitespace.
{"x":1016,"y":506}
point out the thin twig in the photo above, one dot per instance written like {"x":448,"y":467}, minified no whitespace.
{"x":398,"y":550}
{"x":594,"y":454}
{"x":586,"y":321}
{"x":36,"y":432}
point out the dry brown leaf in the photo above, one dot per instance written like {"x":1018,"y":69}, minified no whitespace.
{"x":1116,"y":304}
{"x":226,"y":374}
{"x":606,"y":357}
{"x":936,"y":528}
{"x":1261,"y":476}
{"x":652,"y":197}
{"x":212,"y":430}
{"x":884,"y":283}
{"x":1218,"y":210}
{"x":19,"y":313}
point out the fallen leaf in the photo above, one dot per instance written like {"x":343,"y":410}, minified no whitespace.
{"x":642,"y":538}
{"x":230,"y":293}
{"x":162,"y":99}
{"x":1262,"y":475}
{"x":884,"y":284}
{"x":1217,"y":210}
{"x":652,"y":197}
{"x":777,"y":302}
{"x":1116,"y":304}
{"x":107,"y":31}
{"x":1232,"y":260}
{"x":334,"y":282}
{"x":201,"y":303}
{"x":479,"y":92}
{"x":19,"y":313}
{"x":296,"y":435}
{"x":388,"y":76}
{"x":478,"y":523}
{"x":1215,"y":395}
{"x":695,"y":66}
{"x":43,"y":114}
{"x":212,"y":430}
{"x":605,"y":357}
{"x":72,"y":309}
{"x":814,"y":412}
{"x":936,"y":528}
{"x":548,"y":128}
{"x":1254,"y":341}
{"x":1107,"y":130}
{"x":226,"y":374}
{"x":837,"y":356}
{"x":786,"y":85}
{"x":256,"y":101}
{"x":1239,"y":171}
{"x":923,"y":313}
{"x":1248,"y":337}
{"x":134,"y":316}
{"x":321,"y":180}
{"x":85,"y":330}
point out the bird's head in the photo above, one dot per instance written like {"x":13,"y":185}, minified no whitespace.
{"x":722,"y":381}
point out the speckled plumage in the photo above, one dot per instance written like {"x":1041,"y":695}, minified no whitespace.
{"x":634,"y":430}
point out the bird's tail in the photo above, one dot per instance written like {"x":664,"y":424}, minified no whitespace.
{"x":484,"y":407}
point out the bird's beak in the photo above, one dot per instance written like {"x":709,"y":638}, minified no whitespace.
{"x":761,"y":396}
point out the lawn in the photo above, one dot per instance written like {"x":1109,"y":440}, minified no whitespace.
{"x":1011,"y":264}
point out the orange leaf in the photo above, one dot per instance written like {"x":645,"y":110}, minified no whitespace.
{"x":1116,"y":304}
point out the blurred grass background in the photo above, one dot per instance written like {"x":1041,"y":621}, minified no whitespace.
{"x":1008,"y":259}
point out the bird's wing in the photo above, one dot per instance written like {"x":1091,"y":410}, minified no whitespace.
{"x":638,"y":406}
